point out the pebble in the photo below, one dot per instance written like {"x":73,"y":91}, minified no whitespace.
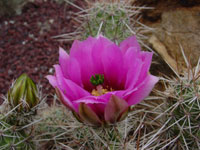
{"x":51,"y":70}
{"x":11,"y":21}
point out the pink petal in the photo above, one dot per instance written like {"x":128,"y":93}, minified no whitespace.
{"x":130,"y":56}
{"x":74,"y":72}
{"x":142,"y":91}
{"x":146,"y":57}
{"x":129,"y":42}
{"x":91,"y":100}
{"x":63,"y":59}
{"x":119,"y":93}
{"x":133,"y":74}
{"x":132,"y":67}
{"x":68,"y":87}
{"x":113,"y":63}
{"x":114,"y":108}
{"x":69,"y":104}
{"x":99,"y":109}
{"x":96,"y":103}
{"x":97,"y":51}
{"x":70,"y":67}
{"x":88,"y":115}
{"x":52,"y":80}
{"x":81,"y":51}
{"x":76,"y":90}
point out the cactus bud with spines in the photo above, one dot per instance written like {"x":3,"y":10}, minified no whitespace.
{"x":23,"y":93}
{"x":18,"y":115}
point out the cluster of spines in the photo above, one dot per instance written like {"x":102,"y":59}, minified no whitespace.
{"x":115,"y":20}
{"x":184,"y":114}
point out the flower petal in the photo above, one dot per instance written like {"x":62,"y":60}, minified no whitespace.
{"x":133,"y":74}
{"x":66,"y":101}
{"x":107,"y":96}
{"x":129,"y":42}
{"x":88,"y":115}
{"x":146,"y":57}
{"x":113,"y":63}
{"x":142,"y":91}
{"x":70,"y":67}
{"x":52,"y":80}
{"x":91,"y":100}
{"x":74,"y":72}
{"x":97,"y":51}
{"x":68,"y":87}
{"x":114,"y":108}
{"x":63,"y":59}
{"x":81,"y":51}
{"x":133,"y":66}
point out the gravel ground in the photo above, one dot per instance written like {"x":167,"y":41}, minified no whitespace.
{"x":26,"y":44}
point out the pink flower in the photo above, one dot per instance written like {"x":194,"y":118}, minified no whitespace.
{"x":99,"y":80}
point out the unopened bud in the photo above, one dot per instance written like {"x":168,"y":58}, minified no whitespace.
{"x":23,"y":93}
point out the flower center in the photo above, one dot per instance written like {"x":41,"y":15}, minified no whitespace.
{"x":100,"y":90}
{"x":98,"y":81}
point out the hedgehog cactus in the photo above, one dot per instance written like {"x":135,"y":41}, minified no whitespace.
{"x":17,"y":115}
{"x":181,"y":115}
{"x":116,"y":20}
{"x":13,"y":138}
{"x":22,"y":101}
{"x":109,"y":20}
{"x":184,"y":113}
{"x":54,"y":118}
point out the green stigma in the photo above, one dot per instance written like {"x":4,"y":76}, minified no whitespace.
{"x":97,"y":79}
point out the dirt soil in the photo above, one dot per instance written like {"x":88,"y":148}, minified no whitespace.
{"x":26,"y":43}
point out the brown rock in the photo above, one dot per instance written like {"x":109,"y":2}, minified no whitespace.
{"x":181,"y":27}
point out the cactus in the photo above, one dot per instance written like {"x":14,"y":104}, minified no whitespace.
{"x":59,"y":130}
{"x":56,"y":127}
{"x":108,"y":20}
{"x":17,"y":115}
{"x":184,"y":113}
{"x":12,"y":137}
{"x":23,"y":93}
{"x":116,"y":20}
{"x":181,"y":114}
{"x":23,"y":100}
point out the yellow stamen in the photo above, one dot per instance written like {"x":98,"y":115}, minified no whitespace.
{"x":100,"y":91}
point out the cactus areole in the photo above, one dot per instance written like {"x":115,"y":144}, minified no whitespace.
{"x":100,"y":80}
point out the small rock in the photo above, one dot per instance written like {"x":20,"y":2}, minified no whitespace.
{"x":6,"y":22}
{"x":51,"y":70}
{"x":31,"y":35}
{"x":10,"y":72}
{"x":25,"y":23}
{"x":11,"y":21}
{"x":51,"y":21}
{"x":36,"y":69}
{"x":24,"y":42}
